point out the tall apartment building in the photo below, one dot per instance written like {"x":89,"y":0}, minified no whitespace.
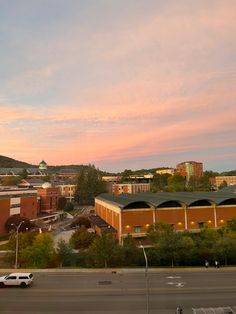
{"x":190,"y":168}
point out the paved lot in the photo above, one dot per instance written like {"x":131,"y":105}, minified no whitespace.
{"x":123,"y":292}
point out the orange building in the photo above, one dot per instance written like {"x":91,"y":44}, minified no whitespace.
{"x":15,"y":201}
{"x":133,"y":214}
{"x":190,"y":168}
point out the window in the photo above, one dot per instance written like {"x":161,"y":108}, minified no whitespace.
{"x":137,"y":229}
{"x":11,"y":278}
{"x":201,"y":225}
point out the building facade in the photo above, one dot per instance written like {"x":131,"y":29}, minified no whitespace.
{"x":133,"y":214}
{"x":15,"y":201}
{"x":219,"y":180}
{"x":190,"y":168}
{"x":130,"y":188}
{"x":48,"y":198}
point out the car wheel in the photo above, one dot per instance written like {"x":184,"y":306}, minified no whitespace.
{"x":23,"y":285}
{"x":2,"y":285}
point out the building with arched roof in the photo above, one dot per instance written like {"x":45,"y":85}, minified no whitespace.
{"x":133,"y":214}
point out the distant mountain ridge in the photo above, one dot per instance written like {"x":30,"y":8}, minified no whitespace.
{"x":6,"y":162}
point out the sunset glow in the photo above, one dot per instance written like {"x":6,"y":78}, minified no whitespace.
{"x":120,"y":84}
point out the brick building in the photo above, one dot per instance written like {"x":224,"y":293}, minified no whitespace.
{"x":48,"y":198}
{"x":15,"y":201}
{"x":130,"y":188}
{"x":133,"y":214}
{"x":190,"y":168}
{"x":219,"y":180}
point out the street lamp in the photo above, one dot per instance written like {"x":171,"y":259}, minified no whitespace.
{"x":146,"y":276}
{"x":17,"y":241}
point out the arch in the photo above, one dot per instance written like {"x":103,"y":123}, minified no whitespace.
{"x":201,"y":202}
{"x":135,"y":205}
{"x":229,"y":201}
{"x":171,"y":203}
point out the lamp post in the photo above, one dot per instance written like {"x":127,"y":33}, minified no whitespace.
{"x":17,"y":241}
{"x":146,"y":276}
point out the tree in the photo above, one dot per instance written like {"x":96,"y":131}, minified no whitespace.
{"x":41,"y":254}
{"x":176,"y":183}
{"x":89,"y":185}
{"x":11,"y":181}
{"x":81,"y":221}
{"x":104,"y":250}
{"x":160,"y":181}
{"x":125,"y":175}
{"x":82,"y":239}
{"x":14,"y":221}
{"x":225,"y":248}
{"x":69,"y":207}
{"x":62,"y":202}
{"x":205,"y":243}
{"x":223,"y":185}
{"x":65,"y":253}
{"x":132,"y":256}
{"x":23,"y":174}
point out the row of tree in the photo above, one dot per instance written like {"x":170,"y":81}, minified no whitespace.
{"x":168,"y":248}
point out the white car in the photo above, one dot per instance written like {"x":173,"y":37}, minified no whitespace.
{"x":17,"y":279}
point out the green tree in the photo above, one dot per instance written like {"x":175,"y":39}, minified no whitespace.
{"x":223,"y":185}
{"x":23,"y":174}
{"x":176,"y":183}
{"x":65,"y":253}
{"x":131,"y":254}
{"x":125,"y":175}
{"x":82,"y":239}
{"x":231,"y":225}
{"x":205,"y":243}
{"x":69,"y":207}
{"x":159,"y":182}
{"x":225,"y":248}
{"x":41,"y":254}
{"x":89,"y":185}
{"x":11,"y":181}
{"x":105,"y":251}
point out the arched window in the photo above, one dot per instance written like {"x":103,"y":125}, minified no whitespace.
{"x":170,"y":204}
{"x":137,"y":205}
{"x":200,"y":203}
{"x":230,"y":201}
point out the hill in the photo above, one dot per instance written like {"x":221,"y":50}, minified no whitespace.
{"x":6,"y":162}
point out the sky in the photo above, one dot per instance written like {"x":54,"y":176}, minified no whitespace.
{"x":121,"y":84}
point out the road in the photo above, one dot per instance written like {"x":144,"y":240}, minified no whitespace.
{"x":121,"y":292}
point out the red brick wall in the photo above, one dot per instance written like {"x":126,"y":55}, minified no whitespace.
{"x":136,"y":218}
{"x":172,"y":217}
{"x":4,"y":214}
{"x":48,"y":199}
{"x":29,"y":207}
{"x":225,"y":213}
{"x":198,"y":214}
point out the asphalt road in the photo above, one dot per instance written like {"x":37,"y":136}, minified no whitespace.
{"x":123,"y":292}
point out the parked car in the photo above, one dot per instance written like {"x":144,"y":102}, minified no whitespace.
{"x":17,"y":279}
